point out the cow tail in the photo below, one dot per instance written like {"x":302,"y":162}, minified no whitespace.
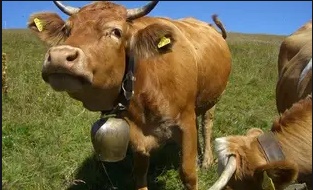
{"x":220,"y":25}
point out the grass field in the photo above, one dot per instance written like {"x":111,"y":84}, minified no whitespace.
{"x":46,"y":135}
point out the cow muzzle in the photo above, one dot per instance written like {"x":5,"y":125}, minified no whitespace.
{"x":65,"y":68}
{"x":110,"y":138}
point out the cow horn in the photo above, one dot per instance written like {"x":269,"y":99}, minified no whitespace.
{"x":142,"y":11}
{"x":66,"y":9}
{"x":226,"y":175}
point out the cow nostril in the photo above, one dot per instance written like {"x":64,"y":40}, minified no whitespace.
{"x":72,"y":57}
{"x":49,"y":58}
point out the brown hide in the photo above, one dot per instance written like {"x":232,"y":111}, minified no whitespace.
{"x":172,"y":84}
{"x":295,"y":54}
{"x":293,"y":131}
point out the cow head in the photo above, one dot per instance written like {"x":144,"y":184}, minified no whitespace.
{"x":241,"y":164}
{"x":88,"y":54}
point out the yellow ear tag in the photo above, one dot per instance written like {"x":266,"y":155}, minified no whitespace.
{"x":267,"y":183}
{"x":39,"y":24}
{"x":164,"y":41}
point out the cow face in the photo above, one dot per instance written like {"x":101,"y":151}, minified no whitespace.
{"x":88,"y":53}
{"x":250,"y":164}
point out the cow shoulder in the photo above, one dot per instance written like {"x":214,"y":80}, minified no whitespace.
{"x":153,"y":40}
{"x":282,"y":173}
{"x":49,"y":27}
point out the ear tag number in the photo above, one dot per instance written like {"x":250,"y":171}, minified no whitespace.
{"x":267,"y":183}
{"x":164,"y":41}
{"x":39,"y":24}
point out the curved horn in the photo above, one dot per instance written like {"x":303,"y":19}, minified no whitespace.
{"x":142,"y":11}
{"x":66,"y":9}
{"x":226,"y":175}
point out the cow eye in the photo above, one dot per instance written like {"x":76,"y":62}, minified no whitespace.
{"x":117,"y":32}
{"x":66,"y":30}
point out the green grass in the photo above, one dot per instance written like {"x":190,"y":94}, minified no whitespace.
{"x":46,"y":135}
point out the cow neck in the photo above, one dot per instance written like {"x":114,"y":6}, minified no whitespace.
{"x":270,"y":147}
{"x":127,"y":88}
{"x":273,"y":152}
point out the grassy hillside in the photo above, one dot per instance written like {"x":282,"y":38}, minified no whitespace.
{"x":46,"y":135}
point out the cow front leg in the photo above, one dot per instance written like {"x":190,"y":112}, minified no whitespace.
{"x":207,"y":132}
{"x":141,"y":166}
{"x":188,"y":142}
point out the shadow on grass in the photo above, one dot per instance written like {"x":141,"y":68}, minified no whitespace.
{"x":91,"y":175}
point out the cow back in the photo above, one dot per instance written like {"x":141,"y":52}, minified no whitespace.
{"x":200,"y":58}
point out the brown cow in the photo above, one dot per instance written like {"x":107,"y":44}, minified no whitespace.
{"x":175,"y":81}
{"x":294,"y":68}
{"x":285,"y":153}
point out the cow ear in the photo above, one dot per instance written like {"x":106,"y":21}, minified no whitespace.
{"x":153,"y":40}
{"x":48,"y":27}
{"x":254,"y":132}
{"x":281,"y":173}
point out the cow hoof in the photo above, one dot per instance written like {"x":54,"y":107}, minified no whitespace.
{"x":144,"y":188}
{"x":206,"y":164}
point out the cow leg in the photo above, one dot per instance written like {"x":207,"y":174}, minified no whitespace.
{"x":207,"y":132}
{"x":188,"y":142}
{"x":199,"y":131}
{"x":141,"y":166}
